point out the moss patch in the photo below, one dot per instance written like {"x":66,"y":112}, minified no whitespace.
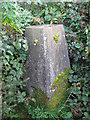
{"x":60,"y":85}
{"x":40,"y":96}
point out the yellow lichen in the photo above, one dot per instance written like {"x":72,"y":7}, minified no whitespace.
{"x":35,"y":42}
{"x":56,"y":38}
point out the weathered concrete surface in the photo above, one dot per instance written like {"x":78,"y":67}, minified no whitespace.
{"x":46,"y":58}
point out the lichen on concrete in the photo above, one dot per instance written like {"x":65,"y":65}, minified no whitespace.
{"x":60,"y":86}
{"x":40,"y":97}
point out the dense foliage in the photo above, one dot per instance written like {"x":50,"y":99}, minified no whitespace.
{"x":74,"y":17}
{"x":14,"y":47}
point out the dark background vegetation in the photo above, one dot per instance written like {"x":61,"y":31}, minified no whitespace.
{"x":75,"y":18}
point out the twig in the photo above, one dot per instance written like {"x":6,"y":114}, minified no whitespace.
{"x":66,"y":100}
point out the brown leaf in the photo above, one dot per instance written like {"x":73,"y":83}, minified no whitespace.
{"x":27,"y":64}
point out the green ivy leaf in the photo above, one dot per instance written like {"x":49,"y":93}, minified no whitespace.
{"x":9,"y":52}
{"x":86,"y":114}
{"x":77,"y":45}
{"x":54,"y":19}
{"x":47,"y":18}
{"x":18,"y":46}
{"x":71,"y":71}
{"x":69,"y":115}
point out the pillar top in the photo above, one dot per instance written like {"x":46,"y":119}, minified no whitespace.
{"x":45,"y":25}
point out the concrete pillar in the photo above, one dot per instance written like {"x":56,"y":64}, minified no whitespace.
{"x":46,"y":58}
